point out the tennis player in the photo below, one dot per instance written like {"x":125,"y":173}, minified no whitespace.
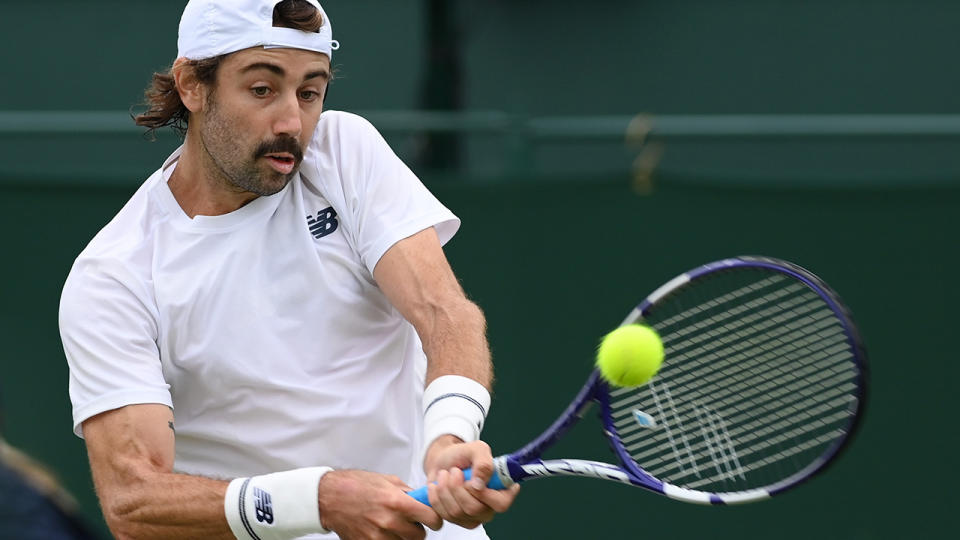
{"x":267,"y":341}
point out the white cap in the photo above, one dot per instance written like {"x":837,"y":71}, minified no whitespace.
{"x":211,"y":28}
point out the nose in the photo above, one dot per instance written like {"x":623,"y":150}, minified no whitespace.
{"x":287,"y":120}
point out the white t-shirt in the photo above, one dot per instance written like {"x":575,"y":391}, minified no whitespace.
{"x":263,"y":328}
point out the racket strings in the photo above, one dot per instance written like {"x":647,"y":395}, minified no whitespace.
{"x":733,"y":395}
{"x":691,"y":355}
{"x":757,"y":382}
{"x":686,"y":315}
{"x":821,"y":386}
{"x":790,"y":452}
{"x":791,"y":313}
{"x":722,"y":323}
{"x":765,"y":436}
{"x":740,"y":367}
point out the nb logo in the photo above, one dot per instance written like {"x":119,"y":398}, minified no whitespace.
{"x":324,"y":223}
{"x":262,"y":504}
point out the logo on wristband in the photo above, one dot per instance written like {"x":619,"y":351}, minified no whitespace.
{"x":263,"y":506}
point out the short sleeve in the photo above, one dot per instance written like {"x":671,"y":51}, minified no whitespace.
{"x":109,"y":335}
{"x":384,"y":199}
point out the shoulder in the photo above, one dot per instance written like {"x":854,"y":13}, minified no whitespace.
{"x":342,"y":134}
{"x":122,"y":251}
{"x":345,"y":149}
{"x":129,"y":230}
{"x":344,"y":123}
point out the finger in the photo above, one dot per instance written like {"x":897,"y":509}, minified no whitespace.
{"x":481,"y":474}
{"x":481,"y":461}
{"x":462,"y":455}
{"x":415,"y":512}
{"x":433,"y":490}
{"x":434,"y":497}
{"x":475,"y":510}
{"x":465,"y":510}
{"x":499,"y":500}
{"x":447,"y":481}
{"x":410,"y":531}
{"x":398,"y":482}
{"x":472,"y":506}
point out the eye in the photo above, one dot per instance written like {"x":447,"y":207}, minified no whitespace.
{"x":260,"y":91}
{"x":309,"y":95}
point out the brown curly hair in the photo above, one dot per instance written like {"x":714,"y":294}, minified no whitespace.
{"x":164,"y":107}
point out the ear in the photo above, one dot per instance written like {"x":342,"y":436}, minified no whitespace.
{"x":192,"y":91}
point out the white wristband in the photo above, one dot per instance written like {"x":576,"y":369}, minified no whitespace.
{"x":277,"y":506}
{"x":454,"y":405}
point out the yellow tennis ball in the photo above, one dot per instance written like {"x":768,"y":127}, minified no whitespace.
{"x":630,"y":355}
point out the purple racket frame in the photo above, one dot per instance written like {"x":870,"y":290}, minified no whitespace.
{"x":525,"y":463}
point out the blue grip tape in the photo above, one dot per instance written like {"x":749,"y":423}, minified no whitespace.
{"x":421,"y":493}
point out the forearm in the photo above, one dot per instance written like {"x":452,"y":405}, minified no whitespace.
{"x":455,"y":341}
{"x":418,"y":281}
{"x":167,"y":505}
{"x":455,"y":407}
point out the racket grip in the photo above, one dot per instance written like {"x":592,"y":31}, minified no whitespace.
{"x":421,"y":493}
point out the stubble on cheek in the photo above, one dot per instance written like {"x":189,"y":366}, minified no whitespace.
{"x":237,"y":161}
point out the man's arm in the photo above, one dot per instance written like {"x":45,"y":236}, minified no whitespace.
{"x":415,"y":275}
{"x":418,"y":280}
{"x":131,"y":452}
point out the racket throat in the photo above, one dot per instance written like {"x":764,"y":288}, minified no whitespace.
{"x":570,"y":467}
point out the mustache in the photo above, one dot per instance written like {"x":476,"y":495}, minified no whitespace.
{"x":281,"y":144}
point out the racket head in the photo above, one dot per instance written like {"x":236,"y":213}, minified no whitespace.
{"x":763,"y":384}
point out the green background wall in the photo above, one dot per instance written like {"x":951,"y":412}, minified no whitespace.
{"x":557,"y":253}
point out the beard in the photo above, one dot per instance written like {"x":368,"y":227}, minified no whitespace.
{"x":242,"y":169}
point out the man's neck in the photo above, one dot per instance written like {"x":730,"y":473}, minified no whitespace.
{"x":199,"y":185}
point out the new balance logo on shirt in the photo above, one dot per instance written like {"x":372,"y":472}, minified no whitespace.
{"x":324,"y":223}
{"x":263,"y":505}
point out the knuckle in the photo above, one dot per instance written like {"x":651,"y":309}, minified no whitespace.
{"x":381,"y":520}
{"x":484,"y":467}
{"x":395,"y":500}
{"x":392,"y":523}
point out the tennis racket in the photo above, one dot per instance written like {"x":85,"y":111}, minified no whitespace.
{"x":763,"y":383}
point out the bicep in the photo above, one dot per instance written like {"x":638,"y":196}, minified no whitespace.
{"x":417,"y":279}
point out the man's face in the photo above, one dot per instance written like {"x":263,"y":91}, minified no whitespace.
{"x":261,"y":114}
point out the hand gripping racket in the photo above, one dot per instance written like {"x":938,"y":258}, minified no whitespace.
{"x":763,"y":383}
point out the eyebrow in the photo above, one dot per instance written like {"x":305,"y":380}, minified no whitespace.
{"x":273,"y":68}
{"x":322,"y":73}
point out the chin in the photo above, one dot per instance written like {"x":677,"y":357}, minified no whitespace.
{"x":273,"y":187}
{"x":273,"y":182}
